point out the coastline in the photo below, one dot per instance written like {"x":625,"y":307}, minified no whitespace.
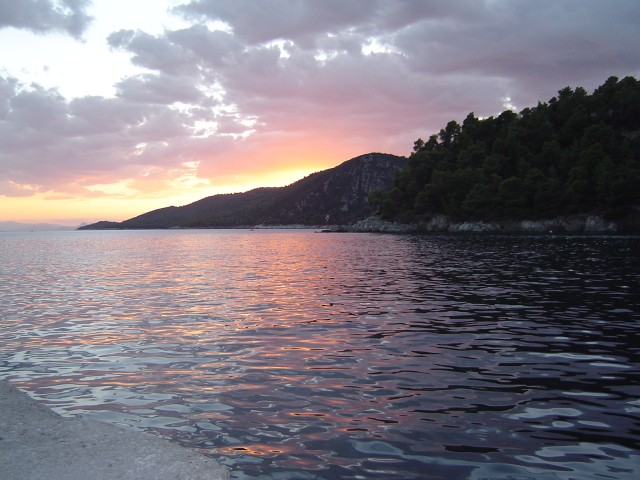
{"x":38,"y":444}
{"x":575,"y":224}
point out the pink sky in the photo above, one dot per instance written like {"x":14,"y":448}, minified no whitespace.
{"x":227,"y":95}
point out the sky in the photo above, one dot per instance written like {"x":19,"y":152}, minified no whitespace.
{"x":112,"y":108}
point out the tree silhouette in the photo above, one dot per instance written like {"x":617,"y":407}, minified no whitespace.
{"x":578,"y":153}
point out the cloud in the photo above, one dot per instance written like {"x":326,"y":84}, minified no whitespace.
{"x":305,"y":22}
{"x":153,"y":52}
{"x":43,"y":16}
{"x":289,"y":62}
{"x":255,"y":88}
{"x":509,"y":40}
{"x":159,"y":89}
{"x":533,"y":50}
{"x":215,"y":48}
{"x":259,"y":21}
{"x":57,"y":144}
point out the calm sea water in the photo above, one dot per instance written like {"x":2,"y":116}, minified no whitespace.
{"x":295,"y":355}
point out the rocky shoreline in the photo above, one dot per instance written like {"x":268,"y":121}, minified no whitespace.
{"x":587,"y":224}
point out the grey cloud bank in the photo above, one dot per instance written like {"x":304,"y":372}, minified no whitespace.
{"x":362,"y":75}
{"x":43,"y":16}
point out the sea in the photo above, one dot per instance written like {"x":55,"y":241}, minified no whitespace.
{"x":296,"y":355}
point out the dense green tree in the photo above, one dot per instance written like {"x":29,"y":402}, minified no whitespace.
{"x":577,"y":153}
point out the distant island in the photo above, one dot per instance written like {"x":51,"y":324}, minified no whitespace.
{"x":570,"y":164}
{"x":31,"y":227}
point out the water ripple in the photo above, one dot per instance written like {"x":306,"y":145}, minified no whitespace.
{"x":294,"y":355}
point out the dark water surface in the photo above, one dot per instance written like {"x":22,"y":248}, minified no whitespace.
{"x":294,"y":355}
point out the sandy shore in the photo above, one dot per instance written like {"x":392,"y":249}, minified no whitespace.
{"x":38,"y":444}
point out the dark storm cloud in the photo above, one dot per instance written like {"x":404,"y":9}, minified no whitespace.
{"x":46,"y":15}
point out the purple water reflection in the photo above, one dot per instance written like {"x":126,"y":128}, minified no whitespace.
{"x":292,"y":355}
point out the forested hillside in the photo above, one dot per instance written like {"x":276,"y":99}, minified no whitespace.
{"x":337,"y":196}
{"x":578,"y":153}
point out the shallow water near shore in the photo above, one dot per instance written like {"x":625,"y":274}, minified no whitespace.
{"x":295,"y":355}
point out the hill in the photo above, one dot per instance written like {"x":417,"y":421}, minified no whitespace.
{"x":576,"y":154}
{"x":338,"y":195}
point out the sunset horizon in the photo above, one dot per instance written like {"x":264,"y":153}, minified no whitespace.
{"x":319,"y":239}
{"x":27,"y":210}
{"x":110,"y":109}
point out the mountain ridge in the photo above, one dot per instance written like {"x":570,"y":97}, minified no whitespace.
{"x":337,"y":195}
